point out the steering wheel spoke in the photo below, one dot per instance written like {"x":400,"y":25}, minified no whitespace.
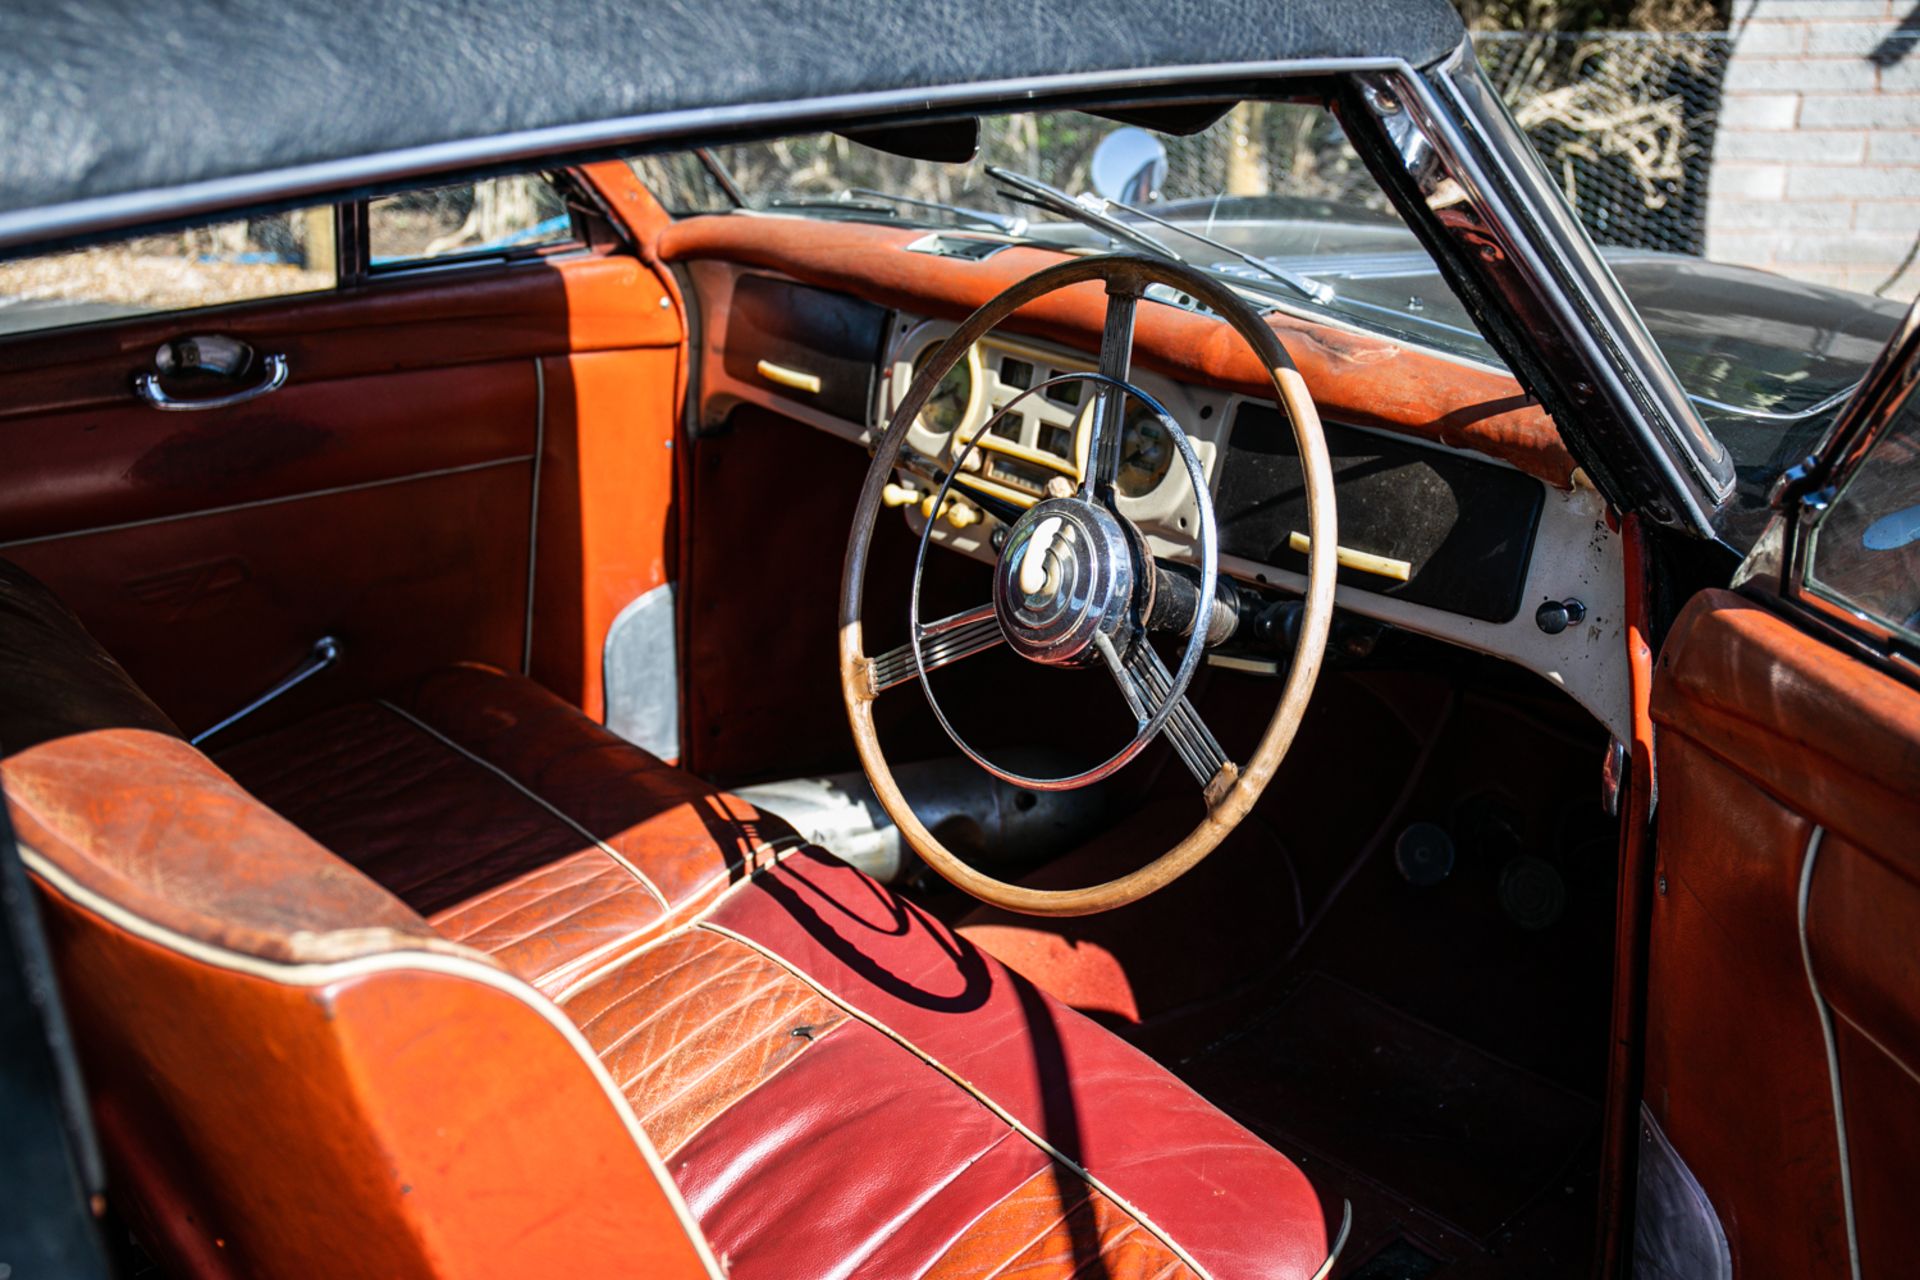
{"x":1145,"y":683}
{"x":1109,"y":412}
{"x":942,"y":643}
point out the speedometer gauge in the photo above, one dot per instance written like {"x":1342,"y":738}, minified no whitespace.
{"x":1146,"y":451}
{"x":947,"y":407}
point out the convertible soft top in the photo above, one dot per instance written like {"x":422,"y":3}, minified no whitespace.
{"x":120,"y":111}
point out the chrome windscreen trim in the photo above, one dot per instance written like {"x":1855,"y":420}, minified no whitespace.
{"x":1595,"y":307}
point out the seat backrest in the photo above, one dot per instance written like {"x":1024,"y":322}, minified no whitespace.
{"x":292,"y":1075}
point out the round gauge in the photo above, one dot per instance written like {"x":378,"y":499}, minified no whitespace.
{"x":1146,"y":451}
{"x":947,"y":407}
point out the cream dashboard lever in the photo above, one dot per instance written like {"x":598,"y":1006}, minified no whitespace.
{"x":794,"y":378}
{"x":1364,"y":561}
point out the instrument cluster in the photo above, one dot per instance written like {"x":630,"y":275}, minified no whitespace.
{"x":1028,"y":430}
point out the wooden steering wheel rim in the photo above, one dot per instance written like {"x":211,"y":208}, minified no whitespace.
{"x":1225,"y":810}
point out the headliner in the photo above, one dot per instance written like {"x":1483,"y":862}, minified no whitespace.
{"x":108,"y":99}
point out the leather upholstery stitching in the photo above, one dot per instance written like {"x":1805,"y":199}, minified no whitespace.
{"x":755,"y":865}
{"x":1007,"y":1117}
{"x":654,"y":980}
{"x":538,"y":799}
{"x":712,"y":1020}
{"x":689,"y":1085}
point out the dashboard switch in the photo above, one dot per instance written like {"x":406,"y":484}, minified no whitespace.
{"x":1556,"y":616}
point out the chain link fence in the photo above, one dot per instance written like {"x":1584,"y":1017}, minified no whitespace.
{"x":1625,"y":121}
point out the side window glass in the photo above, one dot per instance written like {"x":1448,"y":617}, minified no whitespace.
{"x":272,"y":256}
{"x":500,"y":215}
{"x":1864,"y":553}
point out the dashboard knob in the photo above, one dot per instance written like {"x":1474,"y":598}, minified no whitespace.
{"x":960,"y":515}
{"x":1556,"y":616}
{"x":899,"y":495}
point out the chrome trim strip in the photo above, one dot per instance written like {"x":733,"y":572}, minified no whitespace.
{"x":533,"y":522}
{"x":190,"y":200}
{"x":270,"y":502}
{"x":640,"y":672}
{"x":1574,"y":297}
{"x":1833,"y":1049}
{"x":1598,"y":290}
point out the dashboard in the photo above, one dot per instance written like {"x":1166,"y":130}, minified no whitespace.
{"x":1441,"y":540}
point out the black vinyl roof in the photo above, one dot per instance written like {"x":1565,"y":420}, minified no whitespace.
{"x":103,"y":100}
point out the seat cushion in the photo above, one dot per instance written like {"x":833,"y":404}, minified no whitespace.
{"x":512,"y":822}
{"x":842,"y":1086}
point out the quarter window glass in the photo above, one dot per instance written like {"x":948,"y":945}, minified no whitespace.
{"x":1865,"y":553}
{"x":500,"y":215}
{"x":266,"y":257}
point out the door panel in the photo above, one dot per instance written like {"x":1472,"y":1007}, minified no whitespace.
{"x":385,"y":495}
{"x":207,"y":611}
{"x":85,"y":468}
{"x":1764,"y":736}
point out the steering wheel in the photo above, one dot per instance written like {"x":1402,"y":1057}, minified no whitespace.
{"x":1074,"y":585}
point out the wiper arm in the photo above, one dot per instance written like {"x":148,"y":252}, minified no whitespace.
{"x":979,"y":217}
{"x":1312,"y":289}
{"x":1041,"y":195}
{"x":831,"y":202}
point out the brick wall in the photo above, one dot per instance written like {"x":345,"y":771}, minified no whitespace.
{"x":1816,"y":166}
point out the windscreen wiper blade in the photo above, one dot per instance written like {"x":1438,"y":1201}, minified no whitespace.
{"x":980,"y":217}
{"x":1041,"y":195}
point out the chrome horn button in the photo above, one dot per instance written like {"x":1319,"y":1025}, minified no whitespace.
{"x":1065,"y":578}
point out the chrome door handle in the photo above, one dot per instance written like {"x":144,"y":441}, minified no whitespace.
{"x":147,"y":387}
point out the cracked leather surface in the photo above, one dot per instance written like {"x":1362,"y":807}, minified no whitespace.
{"x":693,"y":1025}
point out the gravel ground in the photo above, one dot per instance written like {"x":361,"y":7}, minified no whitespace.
{"x":126,"y":277}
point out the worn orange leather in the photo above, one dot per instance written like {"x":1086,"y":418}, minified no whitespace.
{"x":606,"y":503}
{"x":384,"y":495}
{"x":694,"y":1024}
{"x":287,"y":1077}
{"x":361,"y":1126}
{"x":1054,"y":1224}
{"x":1355,"y":378}
{"x":253,"y":1102}
{"x":1765,"y":733}
{"x":550,"y":306}
{"x":477,"y":798}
